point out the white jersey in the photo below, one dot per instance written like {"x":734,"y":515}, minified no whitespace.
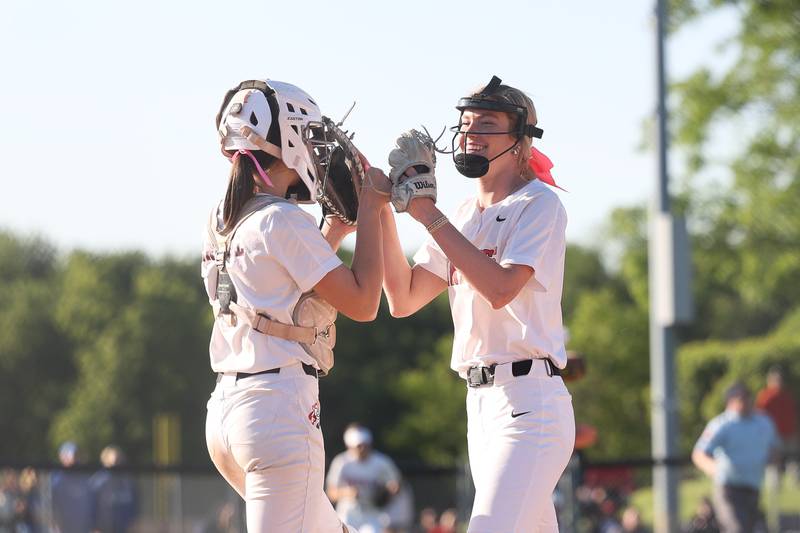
{"x":276,"y":255}
{"x":368,"y":476}
{"x":525,"y":228}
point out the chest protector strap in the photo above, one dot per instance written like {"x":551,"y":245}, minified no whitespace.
{"x":314,"y":319}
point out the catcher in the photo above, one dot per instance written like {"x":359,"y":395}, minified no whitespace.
{"x":501,"y":259}
{"x":275,"y":284}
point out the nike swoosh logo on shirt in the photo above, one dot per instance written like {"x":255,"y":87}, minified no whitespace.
{"x":515,"y":415}
{"x":499,"y":219}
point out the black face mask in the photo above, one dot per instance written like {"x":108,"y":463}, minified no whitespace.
{"x":473,"y":165}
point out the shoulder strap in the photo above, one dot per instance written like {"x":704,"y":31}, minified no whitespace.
{"x":221,"y":241}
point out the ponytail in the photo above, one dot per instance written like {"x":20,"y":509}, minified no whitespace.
{"x":241,"y":186}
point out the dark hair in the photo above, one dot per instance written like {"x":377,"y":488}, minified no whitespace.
{"x":241,"y":185}
{"x":737,"y":390}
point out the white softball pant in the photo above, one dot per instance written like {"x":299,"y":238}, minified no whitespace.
{"x":263,"y":436}
{"x":520,"y":434}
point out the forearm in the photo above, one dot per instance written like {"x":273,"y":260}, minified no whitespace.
{"x":704,"y":462}
{"x":334,"y":235}
{"x":397,"y":271}
{"x":333,"y":494}
{"x":489,"y":278}
{"x":367,"y":264}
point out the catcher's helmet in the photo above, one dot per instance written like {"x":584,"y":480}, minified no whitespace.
{"x":275,"y":117}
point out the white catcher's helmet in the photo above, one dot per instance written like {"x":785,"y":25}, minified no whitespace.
{"x":278,"y":118}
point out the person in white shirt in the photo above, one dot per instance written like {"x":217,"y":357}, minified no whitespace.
{"x":263,"y":422}
{"x":362,"y":481}
{"x":501,"y":259}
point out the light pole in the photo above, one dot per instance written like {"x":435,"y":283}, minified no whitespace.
{"x":670,"y":305}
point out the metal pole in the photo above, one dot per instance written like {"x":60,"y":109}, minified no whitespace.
{"x":662,"y":343}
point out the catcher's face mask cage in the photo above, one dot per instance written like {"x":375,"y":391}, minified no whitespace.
{"x":287,"y":110}
{"x":474,"y":165}
{"x":336,"y":165}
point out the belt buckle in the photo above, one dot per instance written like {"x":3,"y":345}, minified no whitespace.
{"x":477,"y":376}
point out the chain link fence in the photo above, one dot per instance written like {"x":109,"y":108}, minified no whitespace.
{"x":591,"y":497}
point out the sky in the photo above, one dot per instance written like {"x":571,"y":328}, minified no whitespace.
{"x":108,"y":107}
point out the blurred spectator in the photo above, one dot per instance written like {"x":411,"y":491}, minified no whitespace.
{"x":361,"y":482}
{"x":734,"y":450}
{"x":608,"y":520}
{"x":427,"y":521}
{"x":400,"y":510}
{"x":703,"y":520}
{"x":448,"y":521}
{"x":779,"y":404}
{"x":632,"y":521}
{"x":20,"y":507}
{"x":71,"y":499}
{"x":29,"y":505}
{"x":9,"y":494}
{"x":114,"y":494}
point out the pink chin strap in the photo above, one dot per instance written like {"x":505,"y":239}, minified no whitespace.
{"x":363,"y":159}
{"x":255,"y":161}
{"x":541,"y":165}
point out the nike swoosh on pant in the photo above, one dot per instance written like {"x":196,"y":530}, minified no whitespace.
{"x":515,"y":415}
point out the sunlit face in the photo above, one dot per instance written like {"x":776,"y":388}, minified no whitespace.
{"x":362,"y":451}
{"x":475,"y":123}
{"x":740,"y":404}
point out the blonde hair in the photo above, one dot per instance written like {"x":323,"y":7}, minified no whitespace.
{"x":510,"y":95}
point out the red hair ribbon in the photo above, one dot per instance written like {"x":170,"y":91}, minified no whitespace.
{"x":541,"y":165}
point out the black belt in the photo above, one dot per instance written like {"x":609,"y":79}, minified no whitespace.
{"x":478,"y":376}
{"x":308,"y":369}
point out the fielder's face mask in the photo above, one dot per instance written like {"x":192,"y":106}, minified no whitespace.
{"x":474,"y":165}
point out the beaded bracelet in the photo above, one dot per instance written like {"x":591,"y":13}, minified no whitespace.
{"x":437,"y":224}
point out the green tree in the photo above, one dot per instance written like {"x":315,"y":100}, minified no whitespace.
{"x":147,"y":355}
{"x":36,"y":370}
{"x":746,"y":252}
{"x":371,"y":358}
{"x":707,"y":368}
{"x":433,"y":425}
{"x":746,"y":224}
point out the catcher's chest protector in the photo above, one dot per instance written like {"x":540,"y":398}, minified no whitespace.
{"x":314,"y":319}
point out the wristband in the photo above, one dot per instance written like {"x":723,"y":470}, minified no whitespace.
{"x":437,"y":224}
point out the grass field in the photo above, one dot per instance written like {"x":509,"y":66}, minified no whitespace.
{"x":693,"y":489}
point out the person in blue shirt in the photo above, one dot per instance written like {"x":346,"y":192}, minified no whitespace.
{"x":69,"y":492}
{"x":734,"y":450}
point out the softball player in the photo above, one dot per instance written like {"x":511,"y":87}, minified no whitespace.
{"x":502,"y":261}
{"x":263,"y":422}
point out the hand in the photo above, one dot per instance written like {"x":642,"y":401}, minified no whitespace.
{"x":337,"y":228}
{"x":413,"y":164}
{"x":421,"y":208}
{"x":376,"y":186}
{"x":334,"y":231}
{"x":349,"y":492}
